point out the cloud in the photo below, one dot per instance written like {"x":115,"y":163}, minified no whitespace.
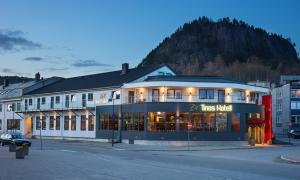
{"x":33,"y":59}
{"x":14,"y":41}
{"x":55,"y":69}
{"x":7,"y":70}
{"x":89,"y":63}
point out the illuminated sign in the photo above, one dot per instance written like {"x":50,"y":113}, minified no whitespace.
{"x":211,"y":108}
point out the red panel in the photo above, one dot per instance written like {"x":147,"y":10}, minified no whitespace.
{"x":267,"y":104}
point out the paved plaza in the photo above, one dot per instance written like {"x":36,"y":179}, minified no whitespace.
{"x":98,"y":160}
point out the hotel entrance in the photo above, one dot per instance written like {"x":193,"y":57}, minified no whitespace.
{"x":256,"y":133}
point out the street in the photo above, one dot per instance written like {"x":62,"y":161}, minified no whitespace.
{"x":97,"y":160}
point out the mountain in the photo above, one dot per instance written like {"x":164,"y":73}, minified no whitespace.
{"x":14,"y":79}
{"x":229,"y":48}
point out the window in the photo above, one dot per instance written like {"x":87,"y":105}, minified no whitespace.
{"x":51,"y":123}
{"x":18,"y":106}
{"x":206,"y":94}
{"x":13,"y":124}
{"x":83,"y":123}
{"x":90,"y":96}
{"x":174,"y":94}
{"x":134,"y":121}
{"x":57,"y":123}
{"x":108,"y":121}
{"x":0,"y":107}
{"x":37,"y":123}
{"x":203,"y":121}
{"x":161,"y":121}
{"x":43,"y":100}
{"x":38,"y":103}
{"x":44,"y":123}
{"x":235,"y":122}
{"x":66,"y":123}
{"x":52,"y":102}
{"x":221,"y":122}
{"x":241,"y":95}
{"x":295,"y":93}
{"x":295,"y":105}
{"x":26,"y":104}
{"x":30,"y":102}
{"x":57,"y":99}
{"x":73,"y":123}
{"x":253,"y":96}
{"x":67,"y":101}
{"x":73,"y":98}
{"x":0,"y":124}
{"x":91,"y":123}
{"x":83,"y":99}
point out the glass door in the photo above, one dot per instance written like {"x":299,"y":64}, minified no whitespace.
{"x":155,"y":95}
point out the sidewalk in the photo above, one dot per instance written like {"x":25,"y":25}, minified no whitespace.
{"x":291,"y":158}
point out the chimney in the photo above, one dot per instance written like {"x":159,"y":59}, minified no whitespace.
{"x":37,"y":76}
{"x":5,"y":83}
{"x":125,"y":67}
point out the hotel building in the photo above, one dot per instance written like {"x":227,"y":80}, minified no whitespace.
{"x":148,"y":103}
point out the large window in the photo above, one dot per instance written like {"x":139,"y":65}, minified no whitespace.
{"x":203,"y":121}
{"x":108,"y":121}
{"x":44,"y":123}
{"x":134,"y":121}
{"x":66,"y":123}
{"x":0,"y":107}
{"x":0,"y":124}
{"x":235,"y":122}
{"x":241,"y":95}
{"x":221,"y":122}
{"x":13,"y":124}
{"x":91,"y":124}
{"x":83,"y":123}
{"x":43,"y":100}
{"x":51,"y":123}
{"x":73,"y":123}
{"x":57,"y":99}
{"x":37,"y":123}
{"x":183,"y":121}
{"x":30,"y":102}
{"x":161,"y":121}
{"x":174,"y":94}
{"x":57,"y":123}
{"x":206,"y":94}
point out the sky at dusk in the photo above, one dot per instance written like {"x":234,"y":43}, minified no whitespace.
{"x":73,"y":37}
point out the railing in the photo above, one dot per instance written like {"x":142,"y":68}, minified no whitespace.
{"x":187,"y":98}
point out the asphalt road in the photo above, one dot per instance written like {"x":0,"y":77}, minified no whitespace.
{"x":94,"y":160}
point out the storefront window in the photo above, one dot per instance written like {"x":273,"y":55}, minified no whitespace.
{"x":235,"y":124}
{"x":161,"y":121}
{"x":37,"y":123}
{"x":57,"y":123}
{"x":66,"y":123}
{"x":170,"y":122}
{"x":134,"y":121}
{"x":108,"y":122}
{"x":91,"y":124}
{"x":51,"y":123}
{"x":183,"y":121}
{"x":44,"y":123}
{"x":83,"y":123}
{"x":203,"y":122}
{"x":221,"y":122}
{"x":13,"y":124}
{"x":73,"y":123}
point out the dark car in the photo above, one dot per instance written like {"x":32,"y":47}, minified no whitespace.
{"x":294,"y":132}
{"x":14,"y":138}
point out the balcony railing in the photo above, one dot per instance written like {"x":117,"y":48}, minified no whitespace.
{"x":189,"y":98}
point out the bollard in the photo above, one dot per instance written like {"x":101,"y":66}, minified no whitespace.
{"x":12,"y":147}
{"x":20,"y":153}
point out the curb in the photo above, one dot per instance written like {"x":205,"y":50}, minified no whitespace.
{"x":289,"y":160}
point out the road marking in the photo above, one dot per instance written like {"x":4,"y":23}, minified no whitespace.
{"x":119,"y":149}
{"x":65,"y":150}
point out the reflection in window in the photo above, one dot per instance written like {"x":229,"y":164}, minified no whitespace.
{"x":203,"y":122}
{"x":108,"y":121}
{"x":221,"y":122}
{"x":133,"y":121}
{"x":161,"y":121}
{"x":235,"y":122}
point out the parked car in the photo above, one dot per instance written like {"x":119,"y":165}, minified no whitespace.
{"x":294,"y":131}
{"x":15,"y":138}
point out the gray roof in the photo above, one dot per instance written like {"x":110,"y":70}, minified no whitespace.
{"x":101,"y":80}
{"x":14,"y":90}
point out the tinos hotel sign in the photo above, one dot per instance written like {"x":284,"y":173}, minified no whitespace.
{"x":210,"y":108}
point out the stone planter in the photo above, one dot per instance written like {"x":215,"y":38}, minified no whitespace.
{"x":20,"y":153}
{"x":12,"y":147}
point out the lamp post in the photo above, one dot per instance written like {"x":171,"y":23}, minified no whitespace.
{"x":113,"y":120}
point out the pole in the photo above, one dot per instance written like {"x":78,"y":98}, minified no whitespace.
{"x":188,"y":138}
{"x":113,"y":119}
{"x":41,"y":134}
